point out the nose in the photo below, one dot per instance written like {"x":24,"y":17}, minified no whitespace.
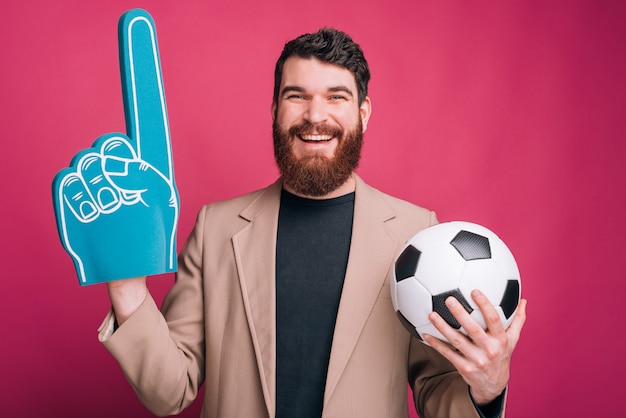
{"x":316,"y":111}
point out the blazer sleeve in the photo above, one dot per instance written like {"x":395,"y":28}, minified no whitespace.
{"x":162,"y":352}
{"x":438,"y":389}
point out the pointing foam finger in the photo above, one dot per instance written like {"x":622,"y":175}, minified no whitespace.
{"x":142,"y":85}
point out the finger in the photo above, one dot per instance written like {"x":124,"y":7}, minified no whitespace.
{"x":116,"y":145}
{"x":455,"y":342}
{"x":493,"y":321}
{"x":117,"y":153}
{"x":72,"y":193}
{"x":101,"y":191}
{"x":130,"y":174}
{"x":142,"y":89}
{"x":445,"y":349}
{"x":134,"y":178}
{"x":451,"y":334}
{"x":469,"y":325}
{"x":515,"y":329}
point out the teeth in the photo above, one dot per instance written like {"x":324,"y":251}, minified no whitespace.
{"x":316,"y":137}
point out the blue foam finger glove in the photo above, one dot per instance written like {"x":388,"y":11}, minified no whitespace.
{"x":117,"y":205}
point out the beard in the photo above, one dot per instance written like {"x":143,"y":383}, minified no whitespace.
{"x":317,"y":175}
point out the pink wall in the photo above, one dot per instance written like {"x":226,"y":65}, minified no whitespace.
{"x":509,"y":114}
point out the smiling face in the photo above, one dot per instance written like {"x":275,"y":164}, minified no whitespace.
{"x":318,"y":127}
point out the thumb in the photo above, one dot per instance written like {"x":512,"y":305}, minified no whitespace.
{"x":138,"y":180}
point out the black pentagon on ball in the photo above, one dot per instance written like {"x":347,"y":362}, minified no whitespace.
{"x":406,"y":264}
{"x":510,"y":298}
{"x":471,"y":246}
{"x":439,"y":306}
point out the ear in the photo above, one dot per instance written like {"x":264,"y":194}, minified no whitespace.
{"x":366,"y":111}
{"x":273,"y":109}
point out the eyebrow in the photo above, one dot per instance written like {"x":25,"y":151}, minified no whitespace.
{"x":298,"y":89}
{"x":343,"y":89}
{"x":290,"y":89}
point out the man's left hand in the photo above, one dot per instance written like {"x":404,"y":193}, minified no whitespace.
{"x":483,"y":357}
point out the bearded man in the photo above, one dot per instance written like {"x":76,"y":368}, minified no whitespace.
{"x":281,"y":305}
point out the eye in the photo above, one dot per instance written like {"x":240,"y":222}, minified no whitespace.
{"x":295,"y":97}
{"x":338,"y":97}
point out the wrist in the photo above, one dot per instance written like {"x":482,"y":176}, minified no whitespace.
{"x":483,"y":399}
{"x":127,"y":296}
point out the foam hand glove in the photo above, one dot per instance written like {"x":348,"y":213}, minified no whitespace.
{"x":117,"y":206}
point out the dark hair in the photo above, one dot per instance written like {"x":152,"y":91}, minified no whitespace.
{"x":331,"y":46}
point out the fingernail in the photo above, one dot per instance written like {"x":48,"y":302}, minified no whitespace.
{"x":107,"y":198}
{"x":88,"y":210}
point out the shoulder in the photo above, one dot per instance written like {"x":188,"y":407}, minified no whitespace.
{"x":397,"y":207}
{"x":243,"y":204}
{"x":404,"y":207}
{"x":222,"y":219}
{"x":402,"y":218}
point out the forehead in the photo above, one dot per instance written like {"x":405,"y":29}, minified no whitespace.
{"x":312,"y":74}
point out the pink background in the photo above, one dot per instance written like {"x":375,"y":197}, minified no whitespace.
{"x":509,"y":114}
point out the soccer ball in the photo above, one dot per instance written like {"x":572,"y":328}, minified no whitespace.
{"x":452,"y":259}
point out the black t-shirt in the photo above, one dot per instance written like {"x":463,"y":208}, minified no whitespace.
{"x":313,"y":244}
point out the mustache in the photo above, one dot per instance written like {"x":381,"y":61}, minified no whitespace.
{"x":308,"y":128}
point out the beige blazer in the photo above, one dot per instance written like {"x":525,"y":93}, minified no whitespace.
{"x":218,"y":321}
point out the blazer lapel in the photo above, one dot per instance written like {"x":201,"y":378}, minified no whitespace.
{"x":371,"y":253}
{"x":255,"y":254}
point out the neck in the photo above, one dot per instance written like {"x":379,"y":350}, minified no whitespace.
{"x":348,"y":187}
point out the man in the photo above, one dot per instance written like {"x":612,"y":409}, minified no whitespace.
{"x":281,"y":305}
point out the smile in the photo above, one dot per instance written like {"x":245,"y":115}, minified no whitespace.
{"x":316,"y":138}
